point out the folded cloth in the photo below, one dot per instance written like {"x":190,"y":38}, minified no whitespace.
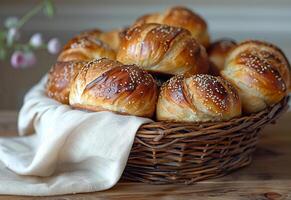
{"x":63,"y":151}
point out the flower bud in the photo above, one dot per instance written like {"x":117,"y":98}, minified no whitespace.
{"x":17,"y":59}
{"x":36,"y":40}
{"x":20,"y":59}
{"x":54,"y":46}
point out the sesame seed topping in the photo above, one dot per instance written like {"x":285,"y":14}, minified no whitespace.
{"x":213,"y":88}
{"x":119,"y":79}
{"x":87,"y":42}
{"x":260,"y":62}
{"x":174,"y":85}
{"x":137,"y":76}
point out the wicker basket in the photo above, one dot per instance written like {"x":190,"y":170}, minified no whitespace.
{"x":165,"y":152}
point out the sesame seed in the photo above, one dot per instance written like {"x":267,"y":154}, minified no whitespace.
{"x":213,"y":88}
{"x":260,"y":61}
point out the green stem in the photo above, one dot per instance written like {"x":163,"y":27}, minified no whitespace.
{"x":29,"y":15}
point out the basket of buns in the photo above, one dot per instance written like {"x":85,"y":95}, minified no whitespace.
{"x":208,"y":101}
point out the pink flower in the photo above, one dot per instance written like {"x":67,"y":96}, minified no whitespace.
{"x":54,"y":46}
{"x":36,"y":40}
{"x":17,"y":59}
{"x":20,"y":59}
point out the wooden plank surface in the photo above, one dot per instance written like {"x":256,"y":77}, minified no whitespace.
{"x":268,"y":177}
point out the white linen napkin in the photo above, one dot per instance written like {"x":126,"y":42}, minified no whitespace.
{"x":66,"y":151}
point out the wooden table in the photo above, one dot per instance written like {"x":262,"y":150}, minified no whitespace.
{"x":268,"y":177}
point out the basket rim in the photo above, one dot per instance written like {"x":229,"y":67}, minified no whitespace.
{"x":282,"y":103}
{"x":158,"y":130}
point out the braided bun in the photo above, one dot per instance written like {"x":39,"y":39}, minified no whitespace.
{"x":60,"y":78}
{"x":218,"y":51}
{"x":86,"y":47}
{"x":198,"y":98}
{"x":260,"y":71}
{"x":111,"y":38}
{"x":180,"y":17}
{"x":109,"y":85}
{"x":163,"y":49}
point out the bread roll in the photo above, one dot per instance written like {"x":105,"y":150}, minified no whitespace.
{"x":111,"y":38}
{"x":218,"y":51}
{"x":85,"y":48}
{"x":260,"y":71}
{"x":180,"y":17}
{"x":94,"y":33}
{"x":60,"y":78}
{"x":199,"y":98}
{"x":109,"y":85}
{"x":163,"y":49}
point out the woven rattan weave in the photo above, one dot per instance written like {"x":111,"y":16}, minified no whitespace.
{"x":167,"y":152}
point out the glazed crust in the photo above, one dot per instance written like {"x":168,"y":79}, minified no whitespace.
{"x":182,"y":17}
{"x":198,"y":98}
{"x":163,"y":49}
{"x":260,"y":71}
{"x":86,"y":47}
{"x":218,"y":51}
{"x":111,"y":38}
{"x":109,"y":85}
{"x":60,"y":78}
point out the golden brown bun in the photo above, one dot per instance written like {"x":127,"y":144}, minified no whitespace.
{"x":108,"y":85}
{"x":198,"y":98}
{"x":94,"y":33}
{"x":180,"y":17}
{"x":60,"y":78}
{"x":163,"y":49}
{"x":260,"y":71}
{"x":112,"y":37}
{"x":218,"y":51}
{"x":86,"y":47}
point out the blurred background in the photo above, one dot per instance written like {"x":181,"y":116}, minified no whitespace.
{"x":257,"y":19}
